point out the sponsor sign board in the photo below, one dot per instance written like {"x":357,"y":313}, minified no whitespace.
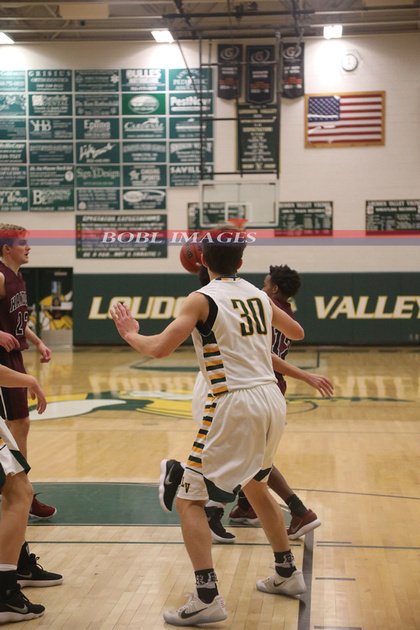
{"x":96,"y":80}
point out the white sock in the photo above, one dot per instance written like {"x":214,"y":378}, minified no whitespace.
{"x":8,"y":567}
{"x":215,"y":504}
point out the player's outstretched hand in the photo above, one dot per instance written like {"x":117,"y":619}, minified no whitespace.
{"x":322,"y":384}
{"x":124,"y":321}
{"x":35,"y":391}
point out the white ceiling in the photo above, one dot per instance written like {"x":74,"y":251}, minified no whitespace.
{"x":132,"y":20}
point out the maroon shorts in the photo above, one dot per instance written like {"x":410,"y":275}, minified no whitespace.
{"x":13,"y":400}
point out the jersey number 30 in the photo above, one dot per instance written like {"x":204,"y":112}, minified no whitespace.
{"x":252,"y":314}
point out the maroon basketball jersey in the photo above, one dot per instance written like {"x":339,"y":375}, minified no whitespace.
{"x":281,"y":343}
{"x":14,"y":306}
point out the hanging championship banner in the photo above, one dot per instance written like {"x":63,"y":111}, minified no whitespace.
{"x":229,"y":74}
{"x":293,"y":86}
{"x":259,"y":74}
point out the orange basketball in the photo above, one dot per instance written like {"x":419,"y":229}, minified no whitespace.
{"x":189,"y":256}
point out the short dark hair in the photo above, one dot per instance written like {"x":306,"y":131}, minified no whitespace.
{"x":288,"y":280}
{"x":223,"y":250}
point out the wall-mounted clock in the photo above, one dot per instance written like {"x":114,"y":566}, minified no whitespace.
{"x":349,"y":62}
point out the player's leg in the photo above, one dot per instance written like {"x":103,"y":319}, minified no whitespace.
{"x":205,"y":605}
{"x":303,"y":520}
{"x":16,"y":499}
{"x":287,"y":580}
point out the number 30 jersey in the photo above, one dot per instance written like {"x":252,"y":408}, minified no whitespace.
{"x":234,"y":345}
{"x":14,"y":306}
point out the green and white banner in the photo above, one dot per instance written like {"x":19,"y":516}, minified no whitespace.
{"x":333,"y":308}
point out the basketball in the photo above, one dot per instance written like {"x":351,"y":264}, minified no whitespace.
{"x":190,"y":255}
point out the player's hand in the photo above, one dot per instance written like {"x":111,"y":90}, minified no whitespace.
{"x":45,"y":352}
{"x":322,"y":384}
{"x":124,"y":321}
{"x":8,"y":341}
{"x":35,"y":391}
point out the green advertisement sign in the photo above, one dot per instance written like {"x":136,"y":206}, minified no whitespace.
{"x":97,"y":128}
{"x":213,"y":212}
{"x":13,"y":152}
{"x":190,"y":80}
{"x":121,"y":236}
{"x":189,"y":103}
{"x":12,"y":104}
{"x":50,"y":105}
{"x":49,"y":80}
{"x":143,"y":104}
{"x":333,"y":308}
{"x":96,"y":105}
{"x":257,"y":142}
{"x":98,"y":199}
{"x":316,"y":216}
{"x":144,"y":199}
{"x":400,"y":215}
{"x":55,"y":176}
{"x":12,"y":80}
{"x":13,"y":176}
{"x":13,"y":200}
{"x":188,"y":128}
{"x":51,"y":153}
{"x":97,"y":80}
{"x":144,"y":128}
{"x":51,"y":199}
{"x":184,"y":175}
{"x":189,"y":152}
{"x":97,"y":152}
{"x":144,"y":176}
{"x":143,"y":80}
{"x":51,"y":129}
{"x":98,"y":176}
{"x":147,"y":152}
{"x":12,"y":129}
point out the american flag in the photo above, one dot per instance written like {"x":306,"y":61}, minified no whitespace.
{"x":352,"y":119}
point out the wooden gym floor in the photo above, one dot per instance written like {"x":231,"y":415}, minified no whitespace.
{"x":354,"y":459}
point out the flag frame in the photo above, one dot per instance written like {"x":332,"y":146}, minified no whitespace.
{"x":354,"y":143}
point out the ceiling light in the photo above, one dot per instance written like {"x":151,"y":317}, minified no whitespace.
{"x":333,"y":32}
{"x":5,"y":39}
{"x":163,"y":37}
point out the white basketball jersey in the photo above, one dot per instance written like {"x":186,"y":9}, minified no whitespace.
{"x":234,"y":345}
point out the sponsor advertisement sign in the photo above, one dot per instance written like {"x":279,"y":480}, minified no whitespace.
{"x":188,"y":128}
{"x":51,"y":199}
{"x":90,"y":199}
{"x":51,"y":175}
{"x":146,"y":151}
{"x":190,"y":80}
{"x":98,"y":176}
{"x":12,"y":80}
{"x":144,"y":199}
{"x":143,"y":80}
{"x":121,"y":236}
{"x":12,"y":104}
{"x":50,"y":128}
{"x":97,"y":80}
{"x":13,"y":152}
{"x":97,"y":128}
{"x":97,"y":152}
{"x":51,"y":153}
{"x":144,"y":176}
{"x":50,"y":105}
{"x":144,"y":128}
{"x":12,"y":129}
{"x":13,"y":176}
{"x":13,"y":200}
{"x":96,"y":105}
{"x":143,"y":104}
{"x":49,"y":80}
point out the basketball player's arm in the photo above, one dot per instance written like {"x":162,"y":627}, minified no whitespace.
{"x":7,"y":341}
{"x":195,"y":308}
{"x":39,"y":345}
{"x":319,"y":382}
{"x":10,"y":378}
{"x":287,"y":325}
